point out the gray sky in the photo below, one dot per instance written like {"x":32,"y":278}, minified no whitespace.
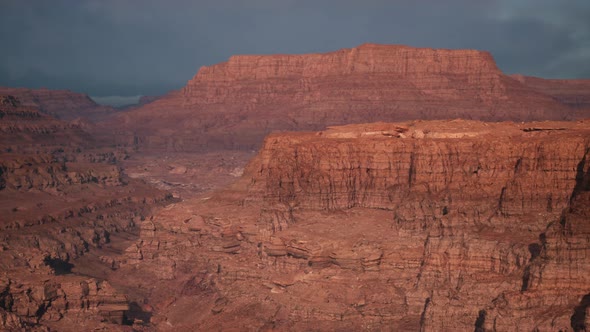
{"x":148,"y":47}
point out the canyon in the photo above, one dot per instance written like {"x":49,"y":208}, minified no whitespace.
{"x":61,"y":195}
{"x":234,"y":104}
{"x":442,"y":225}
{"x":375,"y":188}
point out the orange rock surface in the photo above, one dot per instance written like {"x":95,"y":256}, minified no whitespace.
{"x":441,"y":225}
{"x":236,"y":103}
{"x":438,"y":225}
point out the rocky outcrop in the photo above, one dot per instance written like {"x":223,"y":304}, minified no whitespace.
{"x":62,"y":104}
{"x":63,"y":197}
{"x":35,"y":300}
{"x":440,"y":165}
{"x":40,"y":152}
{"x":236,"y":103}
{"x":24,"y":129}
{"x":45,"y":172}
{"x":43,"y":245}
{"x":494,"y":206}
{"x":434,"y":226}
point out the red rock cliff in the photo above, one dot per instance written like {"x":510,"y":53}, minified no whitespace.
{"x":61,"y":195}
{"x":489,"y":168}
{"x":234,"y":104}
{"x":424,"y":225}
{"x":424,"y":68}
{"x":495,"y":214}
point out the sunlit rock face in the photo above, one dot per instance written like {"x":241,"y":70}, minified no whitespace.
{"x":236,"y":103}
{"x":420,"y":225}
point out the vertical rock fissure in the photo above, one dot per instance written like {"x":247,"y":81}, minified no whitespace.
{"x":411,"y":170}
{"x":423,"y":314}
{"x":579,"y":318}
{"x":535,"y":251}
{"x":501,"y":200}
{"x":517,"y":166}
{"x":582,"y":178}
{"x":423,"y":262}
{"x":480,"y":321}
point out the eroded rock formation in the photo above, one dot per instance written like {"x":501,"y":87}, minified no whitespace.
{"x":61,"y":104}
{"x":236,"y":103}
{"x":446,"y":225}
{"x":61,"y":196}
{"x":418,"y":225}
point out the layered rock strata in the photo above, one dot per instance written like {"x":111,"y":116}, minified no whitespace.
{"x":575,"y":93}
{"x":62,"y":104}
{"x":61,"y":197}
{"x":236,"y":103}
{"x":41,"y":152}
{"x":504,"y":212}
{"x":490,"y":169}
{"x":445,"y":225}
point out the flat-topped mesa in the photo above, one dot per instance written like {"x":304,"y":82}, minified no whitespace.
{"x":365,"y":59}
{"x":432,"y":70}
{"x":233,"y":105}
{"x":495,"y":169}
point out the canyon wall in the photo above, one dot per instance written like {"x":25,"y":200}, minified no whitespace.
{"x":492,"y":206}
{"x":421,"y":225}
{"x":488,"y":168}
{"x":236,"y":103}
{"x":62,"y":196}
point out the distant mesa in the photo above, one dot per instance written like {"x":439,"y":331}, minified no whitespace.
{"x":62,"y":104}
{"x":575,"y":93}
{"x":234,"y":104}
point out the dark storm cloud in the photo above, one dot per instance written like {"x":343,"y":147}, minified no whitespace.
{"x":129,"y":48}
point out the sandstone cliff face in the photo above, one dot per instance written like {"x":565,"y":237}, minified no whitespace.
{"x":430,"y":71}
{"x":389,"y":166}
{"x":505,"y":212}
{"x":62,"y":104}
{"x":560,"y":262}
{"x":434,"y":226}
{"x":236,"y":103}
